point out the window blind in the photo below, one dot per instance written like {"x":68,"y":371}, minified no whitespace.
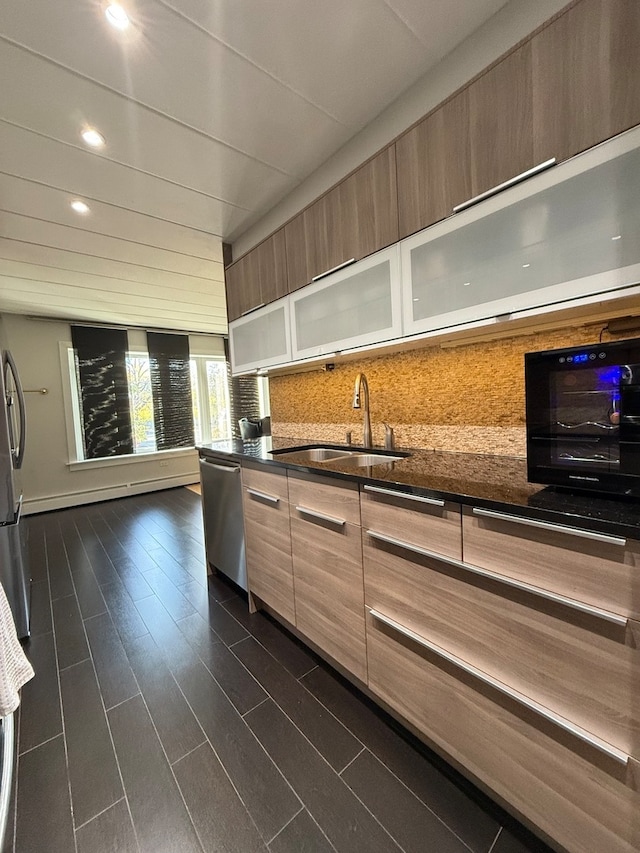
{"x":244,"y":397}
{"x":171,"y":389}
{"x":104,"y":396}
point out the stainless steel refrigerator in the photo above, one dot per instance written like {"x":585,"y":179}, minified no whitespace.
{"x":13,"y":562}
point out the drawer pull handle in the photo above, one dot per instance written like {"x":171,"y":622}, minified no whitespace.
{"x":262,"y":496}
{"x":558,"y":528}
{"x":503,"y":186}
{"x":340,"y":522}
{"x":606,"y":615}
{"x":520,"y":698}
{"x":392,"y":493}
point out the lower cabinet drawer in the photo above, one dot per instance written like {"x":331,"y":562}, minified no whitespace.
{"x":429,"y":523}
{"x":268,"y":549}
{"x":600,"y":571}
{"x":558,"y":657}
{"x":327,"y":565}
{"x":577,"y":797}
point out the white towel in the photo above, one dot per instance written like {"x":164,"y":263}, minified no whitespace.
{"x":15,"y":669}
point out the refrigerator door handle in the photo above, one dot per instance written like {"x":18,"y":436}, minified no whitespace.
{"x":17,"y":452}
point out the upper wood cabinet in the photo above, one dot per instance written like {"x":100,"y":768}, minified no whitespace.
{"x":353,"y":220}
{"x":259,"y":277}
{"x":572,"y":84}
{"x":586,"y":77}
{"x":433,"y":163}
{"x":501,"y":121}
{"x":473,"y":142}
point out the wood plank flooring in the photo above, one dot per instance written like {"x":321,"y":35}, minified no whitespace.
{"x":164,"y":718}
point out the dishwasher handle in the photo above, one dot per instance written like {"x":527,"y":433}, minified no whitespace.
{"x":230,"y":468}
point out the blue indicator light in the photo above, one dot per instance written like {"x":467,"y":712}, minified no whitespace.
{"x":583,"y":356}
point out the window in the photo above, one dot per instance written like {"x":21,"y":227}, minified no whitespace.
{"x":209,"y":392}
{"x":140,"y":402}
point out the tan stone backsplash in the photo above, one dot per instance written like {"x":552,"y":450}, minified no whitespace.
{"x":468,"y":398}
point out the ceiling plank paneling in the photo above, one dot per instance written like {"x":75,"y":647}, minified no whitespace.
{"x":212,"y":112}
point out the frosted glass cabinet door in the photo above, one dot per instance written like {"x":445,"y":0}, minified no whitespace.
{"x":355,"y":306}
{"x":566,"y":233}
{"x":262,"y":338}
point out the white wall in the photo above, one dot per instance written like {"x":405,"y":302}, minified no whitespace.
{"x":506,"y":28}
{"x":48,"y":481}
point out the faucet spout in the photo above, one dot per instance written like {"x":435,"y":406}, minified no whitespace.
{"x":361,"y":401}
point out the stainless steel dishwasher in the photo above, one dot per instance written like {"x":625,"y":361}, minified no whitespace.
{"x":223,"y":523}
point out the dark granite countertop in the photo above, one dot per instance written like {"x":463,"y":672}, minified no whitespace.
{"x":492,"y":482}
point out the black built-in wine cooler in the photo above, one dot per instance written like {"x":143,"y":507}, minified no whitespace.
{"x":583,"y":417}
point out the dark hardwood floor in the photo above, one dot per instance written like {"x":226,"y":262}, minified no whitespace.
{"x":164,"y":718}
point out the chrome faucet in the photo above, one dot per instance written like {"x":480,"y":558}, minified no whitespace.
{"x":362,"y":388}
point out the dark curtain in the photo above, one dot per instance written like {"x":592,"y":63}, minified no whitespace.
{"x":244,"y":401}
{"x":104,"y":394}
{"x":171,"y":389}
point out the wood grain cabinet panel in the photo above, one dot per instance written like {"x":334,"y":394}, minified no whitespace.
{"x":434,"y":166}
{"x":268,"y":539}
{"x":243,"y":292}
{"x":501,"y":121}
{"x":540,"y":650}
{"x":624,"y":49}
{"x":327,"y":565}
{"x":571,"y":82}
{"x":354,"y":219}
{"x":259,"y":277}
{"x":586,"y":77}
{"x":597,"y":573}
{"x":569,"y":796}
{"x":428,"y":525}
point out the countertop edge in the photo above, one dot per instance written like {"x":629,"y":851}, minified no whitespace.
{"x":571,"y":519}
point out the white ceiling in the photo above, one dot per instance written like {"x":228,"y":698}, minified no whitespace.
{"x":213,"y":111}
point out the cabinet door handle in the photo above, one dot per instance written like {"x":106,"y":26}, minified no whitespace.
{"x":598,"y":612}
{"x":333,"y":269}
{"x":340,"y":522}
{"x":262,"y":496}
{"x":393,"y":494}
{"x":255,"y":308}
{"x":542,"y":711}
{"x":546,"y":525}
{"x":529,"y":173}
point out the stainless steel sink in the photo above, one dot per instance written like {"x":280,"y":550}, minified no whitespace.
{"x":363,"y":459}
{"x":314,"y":454}
{"x":357,"y":457}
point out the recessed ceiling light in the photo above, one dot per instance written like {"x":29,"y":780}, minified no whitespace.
{"x":117,"y":16}
{"x":617,"y":237}
{"x":92,"y":137}
{"x":525,"y":266}
{"x":80,"y":206}
{"x":466,"y":284}
{"x":416,"y":299}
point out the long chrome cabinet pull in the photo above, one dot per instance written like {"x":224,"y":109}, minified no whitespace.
{"x":520,"y":698}
{"x":262,"y":496}
{"x":546,"y":525}
{"x":251,"y":310}
{"x":506,"y":184}
{"x":330,"y":518}
{"x":333,"y":269}
{"x":606,"y":615}
{"x":393,"y":494}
